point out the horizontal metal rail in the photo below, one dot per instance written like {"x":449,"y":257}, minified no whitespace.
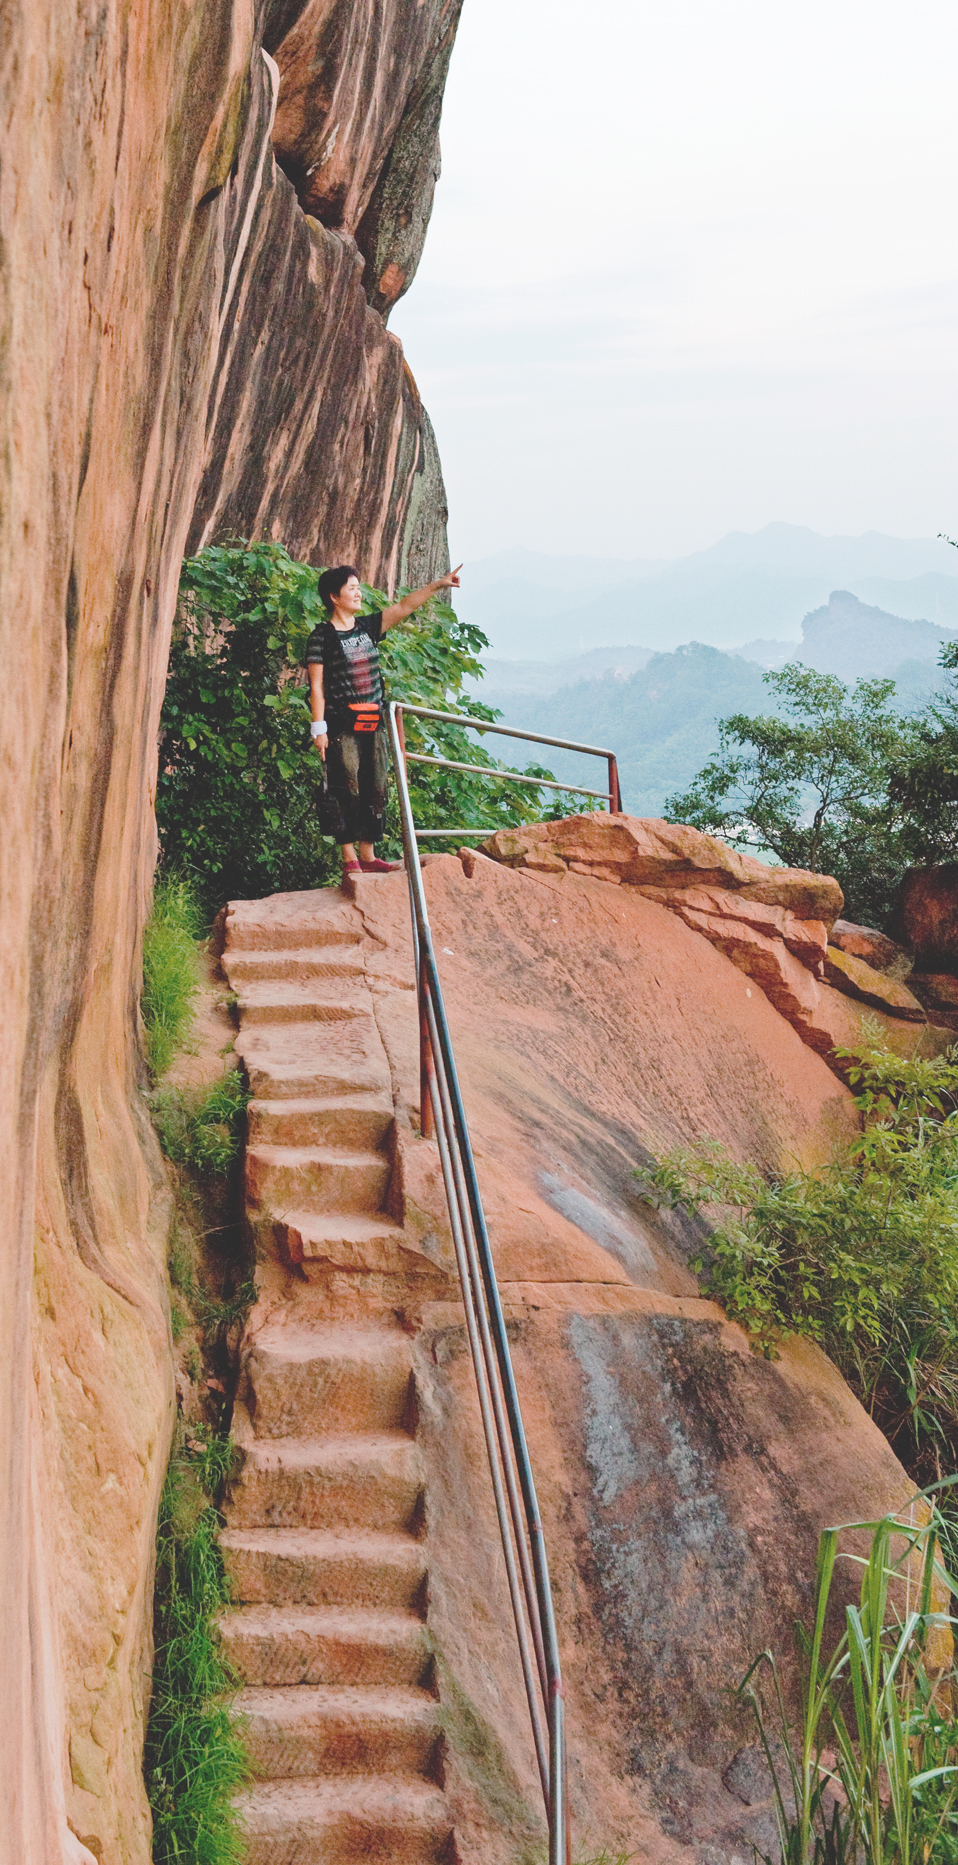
{"x":505,"y":731}
{"x":517,"y":1508}
{"x":506,"y":777}
{"x":613,"y":795}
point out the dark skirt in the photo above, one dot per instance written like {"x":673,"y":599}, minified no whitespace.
{"x":353,"y":800}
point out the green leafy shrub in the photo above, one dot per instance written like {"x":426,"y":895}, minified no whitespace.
{"x":861,"y":1257}
{"x":171,"y":969}
{"x":195,"y":1759}
{"x":237,"y":800}
{"x":871,"y":1778}
{"x":202,"y":1129}
{"x":238,"y":791}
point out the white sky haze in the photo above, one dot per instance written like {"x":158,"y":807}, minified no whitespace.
{"x":692,"y":268}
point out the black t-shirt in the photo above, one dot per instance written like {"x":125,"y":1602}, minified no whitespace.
{"x":350,"y":661}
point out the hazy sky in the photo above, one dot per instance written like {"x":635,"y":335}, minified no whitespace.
{"x":693,"y":267}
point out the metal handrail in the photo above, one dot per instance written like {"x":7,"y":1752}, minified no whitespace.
{"x":517,"y":1508}
{"x":612,"y":796}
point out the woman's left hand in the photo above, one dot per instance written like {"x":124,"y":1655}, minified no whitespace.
{"x":450,"y":580}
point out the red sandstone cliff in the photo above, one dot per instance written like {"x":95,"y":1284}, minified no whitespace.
{"x":182,"y":352}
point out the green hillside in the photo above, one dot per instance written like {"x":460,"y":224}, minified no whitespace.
{"x":660,"y":722}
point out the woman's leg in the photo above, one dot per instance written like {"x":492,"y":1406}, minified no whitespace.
{"x":373,"y":780}
{"x":339,"y":811}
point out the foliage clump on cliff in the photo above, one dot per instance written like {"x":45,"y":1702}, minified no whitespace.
{"x":861,"y":1257}
{"x":870,"y":1777}
{"x":237,"y":801}
{"x":194,"y":1758}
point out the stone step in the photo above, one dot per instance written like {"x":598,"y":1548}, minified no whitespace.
{"x":288,"y":1001}
{"x":319,"y":1729}
{"x":317,"y":964}
{"x":360,"y":1121}
{"x":313,"y":1379}
{"x":315,"y":1178}
{"x":291,"y":921}
{"x":371,"y":1481}
{"x":349,"y":1241}
{"x":273,"y":1645}
{"x":317,"y":1567}
{"x":340,"y":1822}
{"x":293,"y":1061}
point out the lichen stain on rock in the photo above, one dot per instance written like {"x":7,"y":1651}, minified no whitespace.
{"x":677,"y":1577}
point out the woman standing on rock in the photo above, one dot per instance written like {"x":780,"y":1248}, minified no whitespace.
{"x":346,"y":699}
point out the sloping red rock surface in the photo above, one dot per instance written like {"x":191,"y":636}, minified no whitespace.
{"x":773,"y":923}
{"x":683,"y":1481}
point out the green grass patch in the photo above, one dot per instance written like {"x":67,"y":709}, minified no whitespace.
{"x":202,"y":1129}
{"x":171,"y":970}
{"x":195,"y":1759}
{"x":871,"y":1775}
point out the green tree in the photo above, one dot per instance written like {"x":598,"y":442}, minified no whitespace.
{"x":812,"y":784}
{"x":925,"y":784}
{"x":239,"y":783}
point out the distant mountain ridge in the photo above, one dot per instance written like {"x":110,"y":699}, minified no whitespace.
{"x":850,"y":638}
{"x":661,"y":719}
{"x":538,"y":608}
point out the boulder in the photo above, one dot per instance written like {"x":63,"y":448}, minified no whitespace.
{"x":857,"y":979}
{"x":929,"y":915}
{"x":877,"y":950}
{"x":649,"y":853}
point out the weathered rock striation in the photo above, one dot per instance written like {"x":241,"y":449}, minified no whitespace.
{"x":182,"y":352}
{"x":357,"y":130}
{"x":773,"y":923}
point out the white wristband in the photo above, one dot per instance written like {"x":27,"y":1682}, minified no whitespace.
{"x":318,"y":728}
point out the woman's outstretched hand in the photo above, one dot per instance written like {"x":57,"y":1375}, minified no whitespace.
{"x":398,"y":611}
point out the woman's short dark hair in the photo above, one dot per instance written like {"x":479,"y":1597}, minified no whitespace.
{"x":331,"y":582}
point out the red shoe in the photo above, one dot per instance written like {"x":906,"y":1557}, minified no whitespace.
{"x":352,"y":867}
{"x":380,"y":867}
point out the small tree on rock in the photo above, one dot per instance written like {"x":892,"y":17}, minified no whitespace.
{"x":812,"y":784}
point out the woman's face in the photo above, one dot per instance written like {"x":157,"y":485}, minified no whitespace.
{"x":350,"y":596}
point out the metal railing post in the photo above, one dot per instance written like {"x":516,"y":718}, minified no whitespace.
{"x":615,"y":799}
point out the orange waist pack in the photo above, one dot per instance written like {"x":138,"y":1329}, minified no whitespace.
{"x":365,"y":716}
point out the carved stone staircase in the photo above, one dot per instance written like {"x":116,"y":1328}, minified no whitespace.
{"x":326,"y":1530}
